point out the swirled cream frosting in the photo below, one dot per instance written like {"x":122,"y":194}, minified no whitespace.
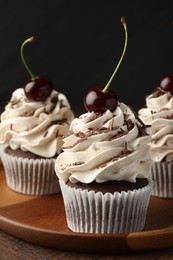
{"x":104,"y":147}
{"x":159,"y":115}
{"x":33,"y":126}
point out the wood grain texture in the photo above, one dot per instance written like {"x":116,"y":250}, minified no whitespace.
{"x":41,"y":220}
{"x":16,"y":249}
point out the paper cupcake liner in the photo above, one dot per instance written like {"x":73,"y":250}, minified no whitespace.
{"x":2,"y":148}
{"x":30,"y":176}
{"x":90,"y":212}
{"x":162,"y":175}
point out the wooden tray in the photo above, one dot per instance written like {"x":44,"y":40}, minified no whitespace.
{"x":41,"y":220}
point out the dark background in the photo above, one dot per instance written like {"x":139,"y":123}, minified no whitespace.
{"x":79,"y":44}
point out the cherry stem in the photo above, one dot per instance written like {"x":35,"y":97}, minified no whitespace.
{"x":31,"y":39}
{"x":122,"y":55}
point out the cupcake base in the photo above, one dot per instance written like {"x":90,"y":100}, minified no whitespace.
{"x":30,"y":176}
{"x":95,"y":212}
{"x":162,"y":175}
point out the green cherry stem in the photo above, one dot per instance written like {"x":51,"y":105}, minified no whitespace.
{"x":124,"y":50}
{"x":31,"y":39}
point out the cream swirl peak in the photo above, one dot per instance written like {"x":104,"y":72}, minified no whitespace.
{"x":104,"y":147}
{"x":33,"y":126}
{"x":159,"y":115}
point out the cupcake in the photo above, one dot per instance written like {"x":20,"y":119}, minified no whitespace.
{"x":31,"y":130}
{"x":31,"y":133}
{"x":104,"y":172}
{"x":158,"y":114}
{"x":104,"y":168}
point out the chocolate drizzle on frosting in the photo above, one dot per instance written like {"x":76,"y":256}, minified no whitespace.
{"x":124,"y":153}
{"x":71,"y":164}
{"x":141,"y":126}
{"x":104,"y":147}
{"x":37,"y":127}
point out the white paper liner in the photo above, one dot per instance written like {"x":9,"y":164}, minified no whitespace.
{"x":162,"y":175}
{"x":2,"y":148}
{"x":90,"y":212}
{"x":30,"y":176}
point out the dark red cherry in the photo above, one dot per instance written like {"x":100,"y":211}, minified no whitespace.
{"x":38,"y":89}
{"x":166,"y":83}
{"x":98,"y":101}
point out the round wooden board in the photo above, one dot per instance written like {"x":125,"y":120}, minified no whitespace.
{"x":41,"y":220}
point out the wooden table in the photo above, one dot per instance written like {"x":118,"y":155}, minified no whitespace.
{"x":15,"y":249}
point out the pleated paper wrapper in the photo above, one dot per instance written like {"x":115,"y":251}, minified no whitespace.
{"x":30,"y":176}
{"x":90,"y":212}
{"x":162,"y":175}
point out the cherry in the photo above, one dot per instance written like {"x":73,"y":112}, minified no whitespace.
{"x":166,"y":83}
{"x":37,"y":88}
{"x":99,"y":99}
